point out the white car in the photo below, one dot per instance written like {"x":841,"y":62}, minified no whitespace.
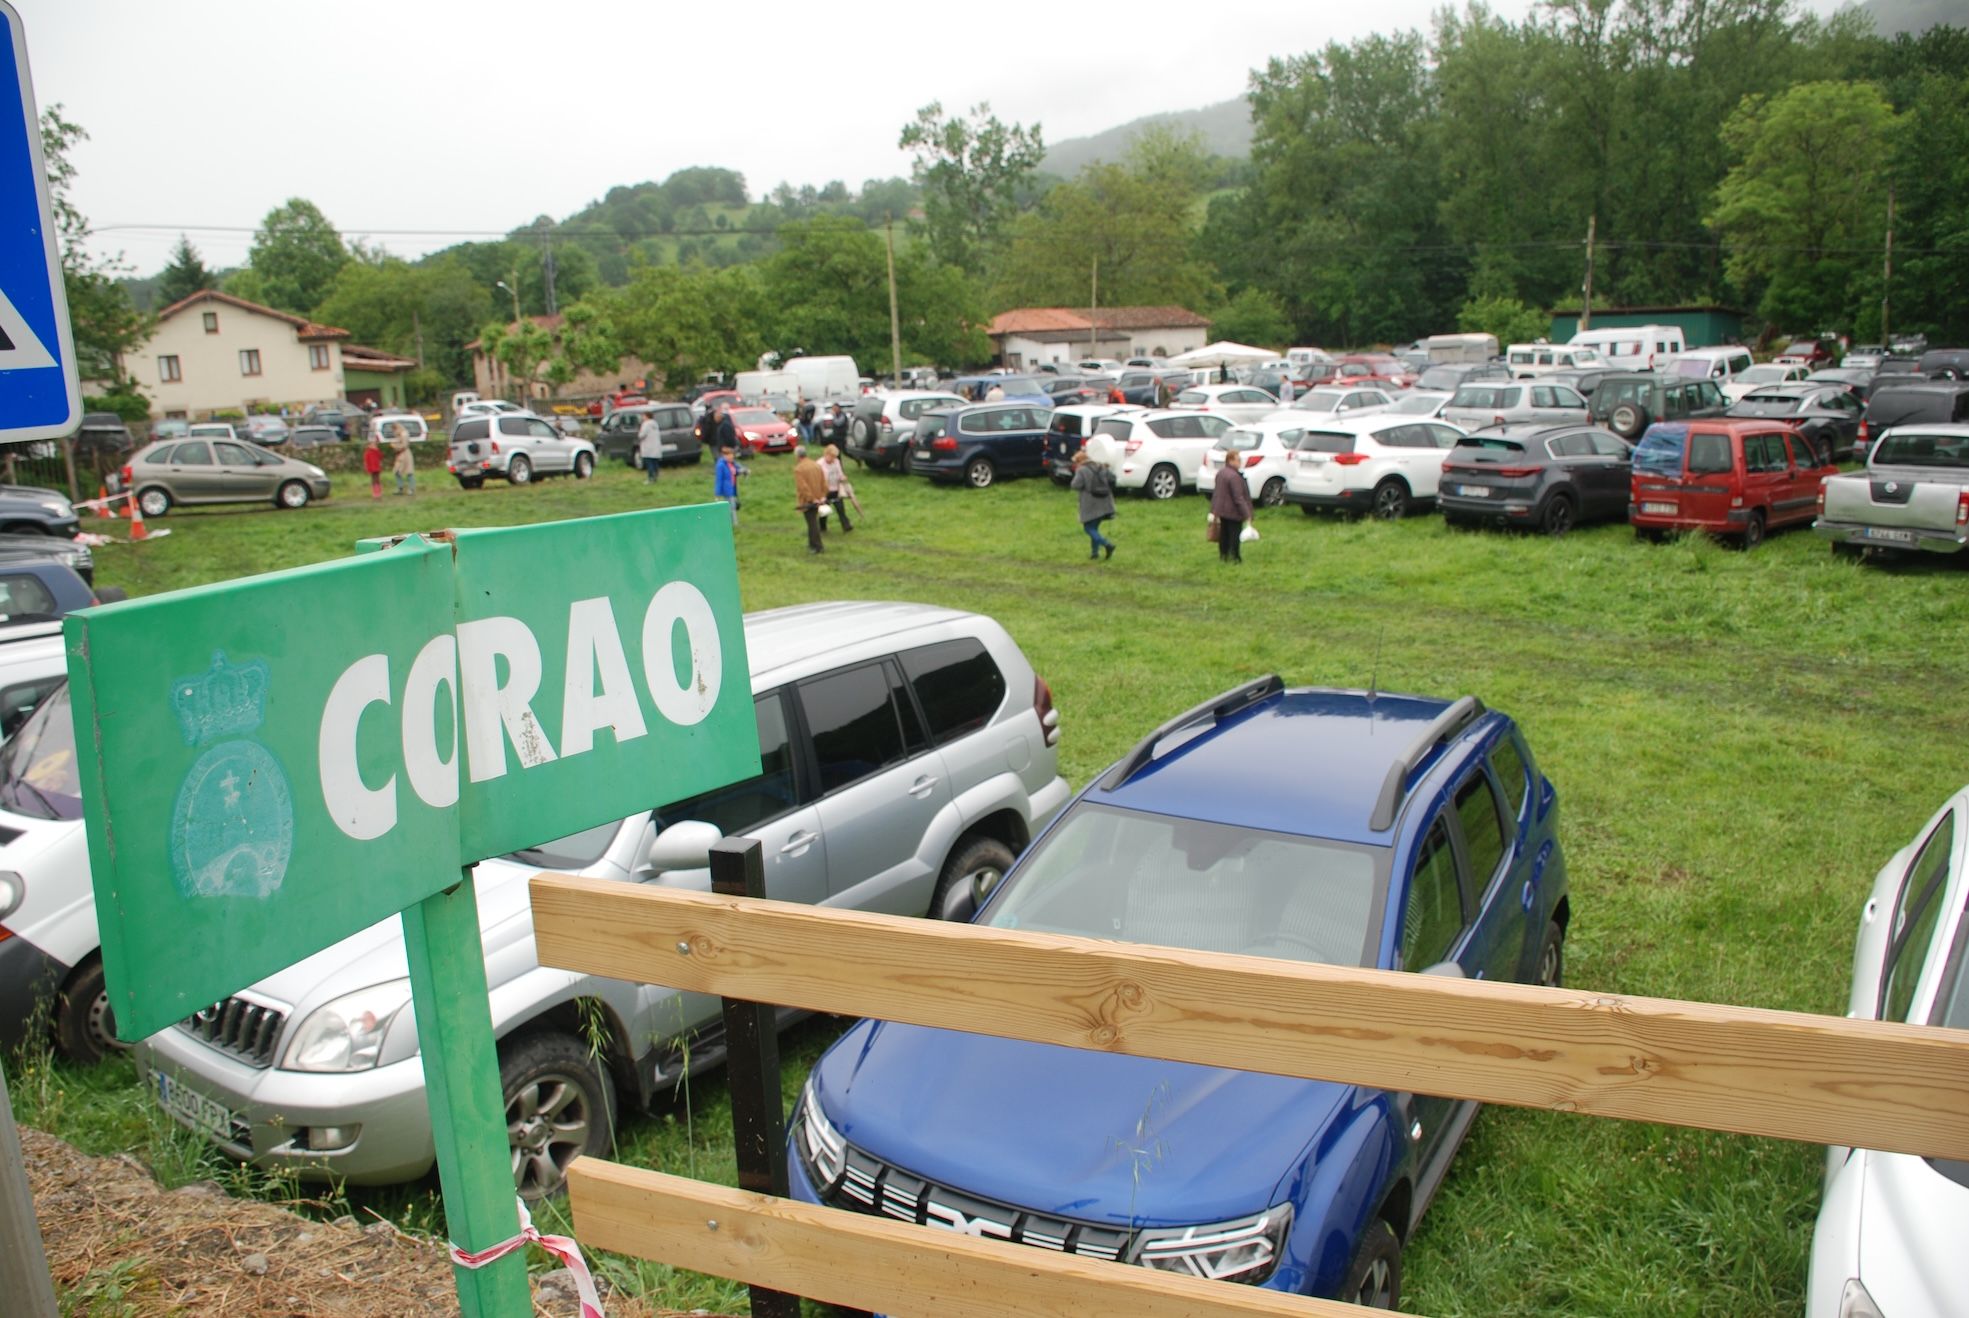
{"x":1100,"y":365}
{"x":1236,"y":403}
{"x":1157,"y":453}
{"x":1383,"y":464}
{"x":1505,"y":402}
{"x":1341,"y":400}
{"x":1261,"y":447}
{"x":1889,"y":1235}
{"x":490,"y":407}
{"x":1749,"y":381}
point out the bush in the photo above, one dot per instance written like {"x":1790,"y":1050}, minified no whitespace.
{"x":129,"y":406}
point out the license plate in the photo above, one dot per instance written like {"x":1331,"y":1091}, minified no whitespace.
{"x":1883,"y":533}
{"x":193,"y":1107}
{"x":924,"y":455}
{"x":1474,"y":491}
{"x":1665,"y":509}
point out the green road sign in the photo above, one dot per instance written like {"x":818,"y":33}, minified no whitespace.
{"x":283,"y":760}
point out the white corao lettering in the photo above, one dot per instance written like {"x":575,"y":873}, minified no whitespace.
{"x":491,"y":716}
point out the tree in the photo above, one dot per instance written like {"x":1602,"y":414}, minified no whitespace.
{"x":521,"y":348}
{"x":971,"y":171}
{"x":297,"y":254}
{"x":102,"y":320}
{"x":1253,"y":316}
{"x":1505,"y":318}
{"x":428,"y":311}
{"x":1804,"y":199}
{"x":687,"y":322}
{"x":184,"y":275}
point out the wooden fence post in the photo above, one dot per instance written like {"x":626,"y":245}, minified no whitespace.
{"x":752,"y":1066}
{"x":23,"y":1263}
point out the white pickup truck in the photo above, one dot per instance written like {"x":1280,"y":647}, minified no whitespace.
{"x":1913,"y":494}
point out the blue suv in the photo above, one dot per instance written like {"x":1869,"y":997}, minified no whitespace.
{"x":1337,"y":827}
{"x":981,"y":443}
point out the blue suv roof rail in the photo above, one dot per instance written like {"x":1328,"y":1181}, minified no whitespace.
{"x":1445,"y":725}
{"x":1213,"y":710}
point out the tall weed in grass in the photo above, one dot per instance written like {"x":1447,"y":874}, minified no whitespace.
{"x":1738,"y":742}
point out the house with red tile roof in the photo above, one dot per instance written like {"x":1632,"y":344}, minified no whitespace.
{"x":1027,"y":337}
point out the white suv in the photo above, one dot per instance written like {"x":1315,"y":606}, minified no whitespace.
{"x":518,"y":446}
{"x":1384,"y":464}
{"x":1262,"y":448}
{"x":907,"y":755}
{"x":1157,"y":453}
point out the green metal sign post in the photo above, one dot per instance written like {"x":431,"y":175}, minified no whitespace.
{"x":273,"y":764}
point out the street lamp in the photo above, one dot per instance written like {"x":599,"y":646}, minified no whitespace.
{"x":500,"y":283}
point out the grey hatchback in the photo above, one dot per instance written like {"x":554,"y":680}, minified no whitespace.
{"x":166,"y":474}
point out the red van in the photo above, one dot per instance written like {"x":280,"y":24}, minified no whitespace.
{"x":1729,"y":477}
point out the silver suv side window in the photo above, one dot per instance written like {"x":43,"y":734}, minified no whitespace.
{"x":958,"y":685}
{"x":853,"y":722}
{"x":741,"y":805}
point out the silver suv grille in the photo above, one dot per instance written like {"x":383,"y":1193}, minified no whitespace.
{"x":245,"y":1029}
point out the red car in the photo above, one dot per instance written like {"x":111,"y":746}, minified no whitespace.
{"x":1814,"y":353}
{"x":1738,"y":478}
{"x":624,"y":398}
{"x":1373,"y":368}
{"x":761,"y":430}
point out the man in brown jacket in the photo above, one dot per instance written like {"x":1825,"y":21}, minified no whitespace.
{"x":809,"y":493}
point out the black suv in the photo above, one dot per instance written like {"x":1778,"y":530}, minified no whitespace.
{"x":1911,"y":400}
{"x":1551,"y":478}
{"x":618,"y":434}
{"x":980,"y":443}
{"x":1630,"y":401}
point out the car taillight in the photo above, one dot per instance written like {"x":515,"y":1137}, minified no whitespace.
{"x":888,"y":420}
{"x":126,"y":476}
{"x":1961,"y":506}
{"x":495,"y":446}
{"x":1042,"y":705}
{"x":1497,"y":418}
{"x":1131,"y":446}
{"x":1513,"y":471}
{"x":1958,"y":511}
{"x":1350,"y":459}
{"x":1863,"y":436}
{"x":944,"y":444}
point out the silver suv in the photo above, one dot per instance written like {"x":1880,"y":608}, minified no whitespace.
{"x":908,"y":753}
{"x":518,"y":446}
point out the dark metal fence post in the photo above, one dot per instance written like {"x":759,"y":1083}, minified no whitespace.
{"x":752,"y":1066}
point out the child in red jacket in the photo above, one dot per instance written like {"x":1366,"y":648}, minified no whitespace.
{"x":372,"y":462}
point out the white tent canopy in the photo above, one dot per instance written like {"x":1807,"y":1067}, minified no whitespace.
{"x":1224,"y":353}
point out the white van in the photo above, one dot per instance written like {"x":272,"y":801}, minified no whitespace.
{"x":1529,"y":359}
{"x":756,"y":386}
{"x":462,"y":397}
{"x":824,"y":379}
{"x":1633,"y":347}
{"x":1449,"y":349}
{"x":1301,"y":358}
{"x":1723,"y":365}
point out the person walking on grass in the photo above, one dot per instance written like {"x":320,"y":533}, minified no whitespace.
{"x":649,"y":448}
{"x":809,"y":493}
{"x":372,"y":462}
{"x":1095,"y":487}
{"x":404,"y":467}
{"x":1230,"y":504}
{"x":830,"y":468}
{"x":724,"y":480}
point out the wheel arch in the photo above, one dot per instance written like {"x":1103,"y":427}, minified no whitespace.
{"x":570,"y":1017}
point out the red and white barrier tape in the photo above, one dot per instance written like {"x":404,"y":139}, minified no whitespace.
{"x":561,"y":1247}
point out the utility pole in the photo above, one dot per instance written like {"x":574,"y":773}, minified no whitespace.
{"x":417,"y":328}
{"x":547,"y":269}
{"x":1887,"y":273}
{"x":895,"y":320}
{"x":1586,"y":290}
{"x":1093,"y":311}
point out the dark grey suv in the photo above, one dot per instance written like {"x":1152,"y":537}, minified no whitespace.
{"x":1550,"y":478}
{"x":617,"y":436}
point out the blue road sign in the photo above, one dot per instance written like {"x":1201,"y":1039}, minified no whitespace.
{"x":40,"y":395}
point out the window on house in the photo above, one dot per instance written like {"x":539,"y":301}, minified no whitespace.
{"x":168,"y":370}
{"x":249,"y":361}
{"x":317,"y":356}
{"x":211,"y":322}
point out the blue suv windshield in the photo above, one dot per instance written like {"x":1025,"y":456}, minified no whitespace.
{"x":1196,"y":884}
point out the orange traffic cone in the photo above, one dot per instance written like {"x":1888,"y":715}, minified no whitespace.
{"x":107,"y":508}
{"x":137,"y":529}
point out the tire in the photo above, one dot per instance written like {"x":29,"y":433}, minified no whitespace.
{"x":1390,"y":500}
{"x":1753,"y":531}
{"x":1374,"y":1278}
{"x":293,"y":494}
{"x":560,"y":1104}
{"x":858,"y":433}
{"x":519,"y":471}
{"x":154,"y":500}
{"x":85,"y":1027}
{"x":1550,"y":971}
{"x":1272,"y":493}
{"x":971,"y":870}
{"x":1163,"y":482}
{"x":1559,"y":515}
{"x":979,"y":473}
{"x":584,"y":466}
{"x":1628,"y":420}
{"x":902,"y":460}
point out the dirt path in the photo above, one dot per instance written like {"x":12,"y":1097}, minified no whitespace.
{"x":117,"y":1244}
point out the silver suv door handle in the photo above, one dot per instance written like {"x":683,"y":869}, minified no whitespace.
{"x":922,"y":787}
{"x":798,"y":843}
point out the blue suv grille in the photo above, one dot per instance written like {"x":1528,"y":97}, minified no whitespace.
{"x":869,"y":1185}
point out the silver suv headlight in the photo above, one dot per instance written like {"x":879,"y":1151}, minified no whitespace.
{"x":821,"y":1145}
{"x":13,"y":891}
{"x":1245,"y":1250}
{"x":348,"y":1033}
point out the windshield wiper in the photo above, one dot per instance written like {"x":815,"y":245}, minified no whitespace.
{"x":47,"y":806}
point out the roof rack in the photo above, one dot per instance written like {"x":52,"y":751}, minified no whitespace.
{"x":1445,"y":725}
{"x":1213,"y":710}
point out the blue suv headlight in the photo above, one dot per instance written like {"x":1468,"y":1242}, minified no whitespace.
{"x":1245,"y":1250}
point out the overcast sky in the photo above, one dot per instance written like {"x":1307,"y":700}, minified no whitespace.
{"x":419,"y":123}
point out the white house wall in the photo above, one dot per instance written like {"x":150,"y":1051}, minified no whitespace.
{"x":209,"y":363}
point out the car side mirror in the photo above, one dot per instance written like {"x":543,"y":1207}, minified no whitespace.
{"x":685,"y":845}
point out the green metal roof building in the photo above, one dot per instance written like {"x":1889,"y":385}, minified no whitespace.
{"x":1701,"y":326}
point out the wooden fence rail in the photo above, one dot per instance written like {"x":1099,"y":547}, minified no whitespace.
{"x":1785,"y":1074}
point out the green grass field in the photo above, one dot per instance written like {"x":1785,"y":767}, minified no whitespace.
{"x":1738,"y":741}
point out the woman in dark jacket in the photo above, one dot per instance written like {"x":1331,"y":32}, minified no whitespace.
{"x":1230,"y":503}
{"x":1096,"y":490}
